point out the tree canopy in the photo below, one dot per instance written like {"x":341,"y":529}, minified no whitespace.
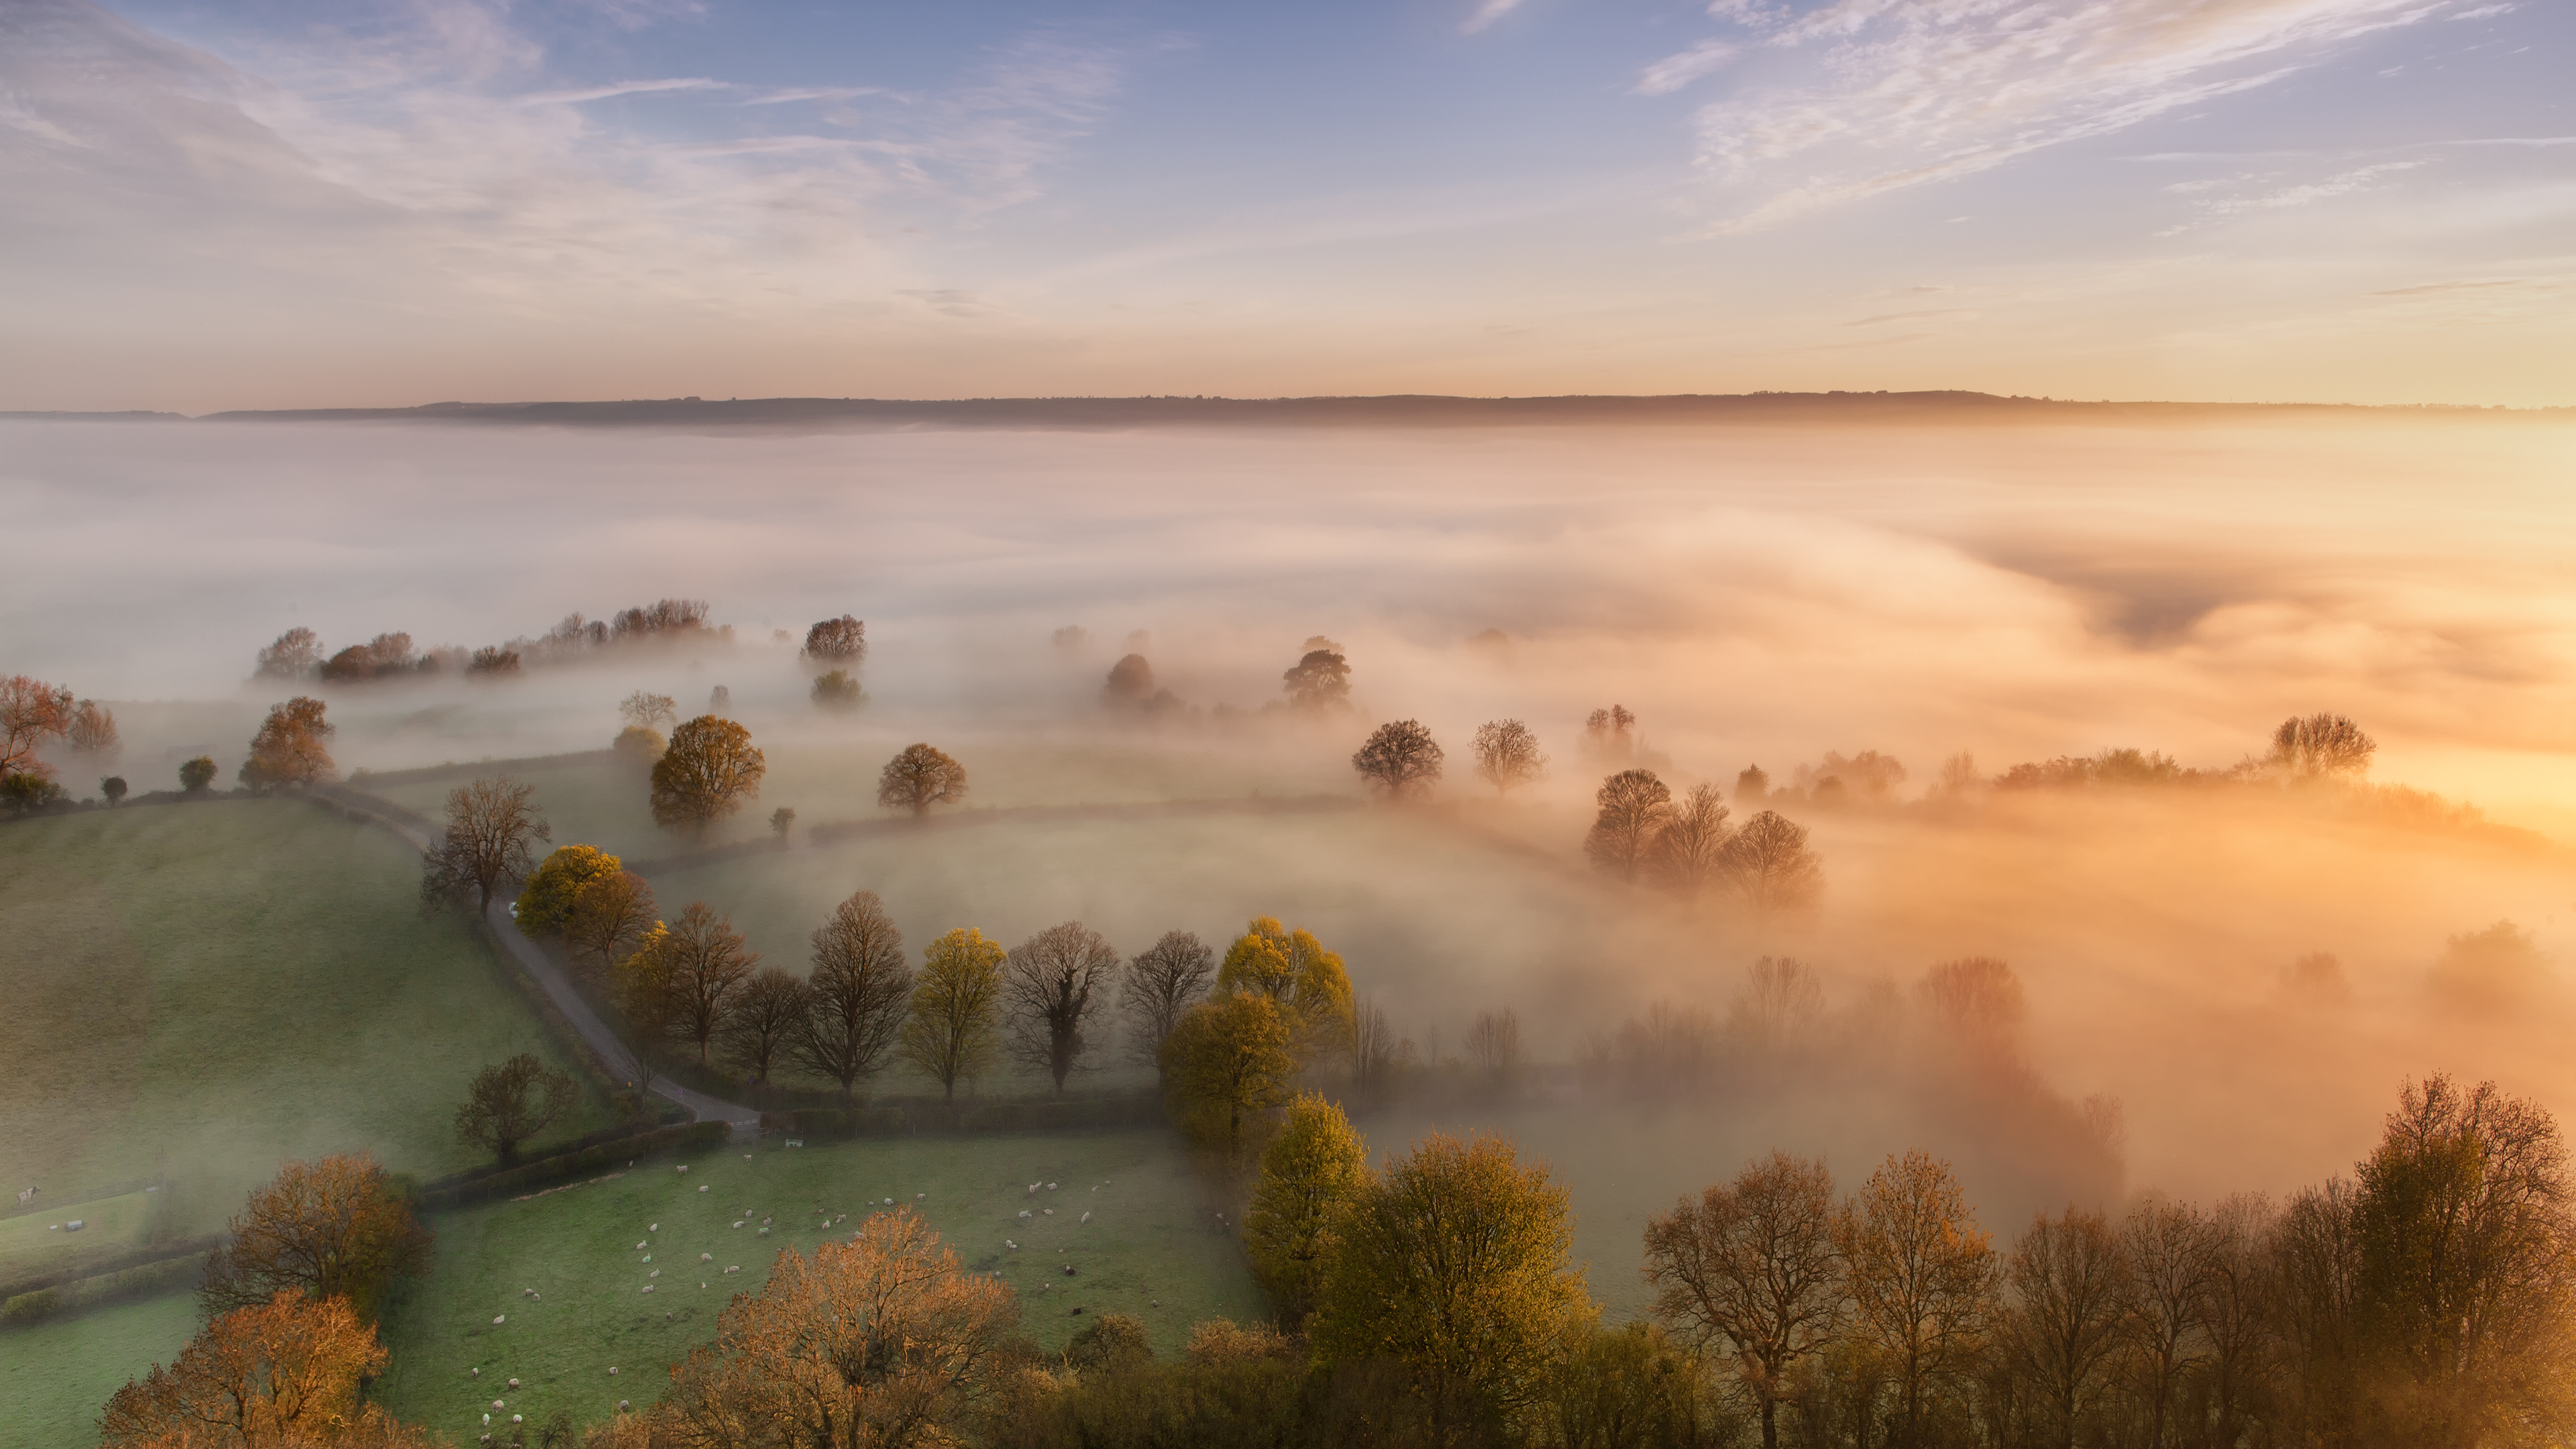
{"x":324,"y":1229}
{"x":956,"y":1005}
{"x":288,"y":750}
{"x":918,"y":778}
{"x":707,"y":773}
{"x":1508,"y":754}
{"x":1401,"y":759}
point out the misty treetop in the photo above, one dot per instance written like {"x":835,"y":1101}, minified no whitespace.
{"x":1320,"y":679}
{"x":920,"y":776}
{"x":300,"y":654}
{"x":709,"y":770}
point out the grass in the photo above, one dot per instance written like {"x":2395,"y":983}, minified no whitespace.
{"x":1151,"y":1240}
{"x":202,"y":990}
{"x":55,"y":1377}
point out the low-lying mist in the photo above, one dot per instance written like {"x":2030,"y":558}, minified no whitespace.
{"x":1755,"y":596}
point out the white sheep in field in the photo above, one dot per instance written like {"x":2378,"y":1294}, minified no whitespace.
{"x":1086,"y":1217}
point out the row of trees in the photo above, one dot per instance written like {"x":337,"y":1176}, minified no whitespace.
{"x":300,"y":654}
{"x":1642,"y":833}
{"x":35,"y":715}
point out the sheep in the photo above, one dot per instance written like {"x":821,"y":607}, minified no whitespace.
{"x":1050,"y":1212}
{"x":706,"y":1257}
{"x":640,"y":1247}
{"x":514,"y":1383}
{"x":648,"y":1287}
{"x":1086,"y":1217}
{"x":1024,"y":1212}
{"x":496,"y":1405}
{"x":702,"y":1187}
{"x":737,"y":1222}
{"x":612,"y":1371}
{"x":657,"y":1227}
{"x":497,"y":1317}
{"x":684,"y":1170}
{"x":656,"y":1273}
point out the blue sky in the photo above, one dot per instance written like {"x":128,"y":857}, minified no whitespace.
{"x":288,"y":203}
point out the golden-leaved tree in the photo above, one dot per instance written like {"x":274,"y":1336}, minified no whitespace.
{"x":951,"y":1032}
{"x":335,"y":1228}
{"x":707,"y":772}
{"x":280,"y":1374}
{"x":1310,"y":1174}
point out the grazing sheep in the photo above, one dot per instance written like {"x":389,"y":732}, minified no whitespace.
{"x":1086,"y":1217}
{"x":648,"y":1287}
{"x":640,"y":1247}
{"x":706,"y":1257}
{"x":655,"y":1228}
{"x":497,"y":1317}
{"x":1050,"y":1212}
{"x":496,"y":1405}
{"x":684,"y":1169}
{"x":612,"y":1371}
{"x":656,"y":1273}
{"x":1024,"y":1212}
{"x":737,"y":1222}
{"x":514,"y":1383}
{"x":702,"y":1187}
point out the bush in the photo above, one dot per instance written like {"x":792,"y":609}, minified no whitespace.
{"x":197,"y":774}
{"x":30,"y":1307}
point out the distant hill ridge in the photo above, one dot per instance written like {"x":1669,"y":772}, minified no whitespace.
{"x":1398,"y":410}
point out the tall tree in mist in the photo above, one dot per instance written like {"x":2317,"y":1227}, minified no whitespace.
{"x":196,"y":773}
{"x":650,"y":1005}
{"x":2465,"y":1294}
{"x":1751,"y":1268}
{"x":297,"y":654}
{"x":285,"y":1371}
{"x":2070,"y":1286}
{"x":1770,"y":865}
{"x":2172,"y":1252}
{"x":1609,"y":736}
{"x":1164,"y":981}
{"x":646,"y":710}
{"x":705,"y":966}
{"x":1228,"y":1061}
{"x":1310,"y":1173}
{"x":1979,"y":1002}
{"x":1780,"y":1003}
{"x":1310,"y":985}
{"x":918,"y":778}
{"x":840,"y":644}
{"x":1373,"y":1050}
{"x":490,"y":825}
{"x":1456,"y":1264}
{"x":705,"y":775}
{"x":511,"y":1103}
{"x":1320,"y":679}
{"x":93,"y":731}
{"x":838,"y":691}
{"x":32,"y":715}
{"x":288,"y":750}
{"x":882,"y":1340}
{"x":325,"y":1229}
{"x":610,"y":914}
{"x":1508,"y":754}
{"x":956,"y":1005}
{"x":1053,"y":984}
{"x":2321,"y":747}
{"x":1401,"y":759}
{"x":1494,"y":1045}
{"x":1922,"y":1281}
{"x":1689,"y":850}
{"x":765,"y":1018}
{"x":1752,"y":785}
{"x":1634,"y":806}
{"x":856,"y":995}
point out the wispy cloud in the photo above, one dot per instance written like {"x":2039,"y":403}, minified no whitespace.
{"x":1896,"y":95}
{"x":1676,"y":71}
{"x":620,"y":88}
{"x":1489,"y":11}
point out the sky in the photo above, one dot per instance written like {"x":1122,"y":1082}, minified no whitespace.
{"x":278,"y":203}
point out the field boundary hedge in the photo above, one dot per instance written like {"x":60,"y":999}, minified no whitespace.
{"x":138,"y":1273}
{"x":423,"y":774}
{"x":510,"y":1182}
{"x":967,"y":1119}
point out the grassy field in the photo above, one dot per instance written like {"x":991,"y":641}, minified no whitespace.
{"x":201,"y":990}
{"x":1150,"y":1249}
{"x":55,"y":1377}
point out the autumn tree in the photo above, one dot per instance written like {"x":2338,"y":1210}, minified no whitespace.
{"x":1508,"y":754}
{"x":2321,"y":747}
{"x":114,"y":788}
{"x":1400,"y":759}
{"x":2170,"y":1251}
{"x":288,"y":750}
{"x":296,"y":654}
{"x":919,"y":778}
{"x":1320,"y":679}
{"x":2070,"y":1295}
{"x":765,"y":1018}
{"x":1310,"y":984}
{"x":1921,"y":1279}
{"x":93,"y":731}
{"x":1769,"y":864}
{"x":1689,"y":851}
{"x":489,"y":826}
{"x":1130,"y":684}
{"x":956,"y":1004}
{"x":33,"y":714}
{"x":1634,"y":806}
{"x":545,"y":903}
{"x":1164,"y":982}
{"x":1053,"y":984}
{"x":639,"y":748}
{"x":1751,"y":1268}
{"x":1310,"y":1173}
{"x":196,"y":774}
{"x":838,"y":691}
{"x":1455,"y":1263}
{"x":1228,"y":1061}
{"x":706,"y":966}
{"x":646,"y":710}
{"x":610,"y":913}
{"x":648,"y":1003}
{"x":856,"y":995}
{"x":328,"y":1229}
{"x":836,"y":644}
{"x":705,"y":775}
{"x":512,"y":1102}
{"x":284,"y":1373}
{"x":882,"y":1340}
{"x":2465,"y":1291}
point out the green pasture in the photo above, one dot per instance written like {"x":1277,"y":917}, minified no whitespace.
{"x":201,"y":990}
{"x":56,"y":1376}
{"x":1151,"y":1249}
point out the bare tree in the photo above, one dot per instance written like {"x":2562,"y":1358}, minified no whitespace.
{"x":1320,"y":679}
{"x":1634,"y":805}
{"x":1508,"y":754}
{"x":840,"y":643}
{"x":1373,"y":1049}
{"x":707,"y":965}
{"x":919,"y":778}
{"x":1400,"y":759}
{"x":2236,"y":1314}
{"x":2171,"y":1250}
{"x":1690,"y":844}
{"x":1752,"y":1266}
{"x":1978,"y":1001}
{"x":857,"y":994}
{"x":1780,"y":1003}
{"x":1164,"y":981}
{"x":1494,"y":1044}
{"x":2321,"y":746}
{"x":764,"y":1019}
{"x":2070,"y":1286}
{"x":297,"y":654}
{"x":1053,"y":983}
{"x":1768,"y":861}
{"x":1609,"y":736}
{"x":486,"y":844}
{"x":647,"y":711}
{"x":93,"y":731}
{"x":511,"y":1103}
{"x":1922,"y":1280}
